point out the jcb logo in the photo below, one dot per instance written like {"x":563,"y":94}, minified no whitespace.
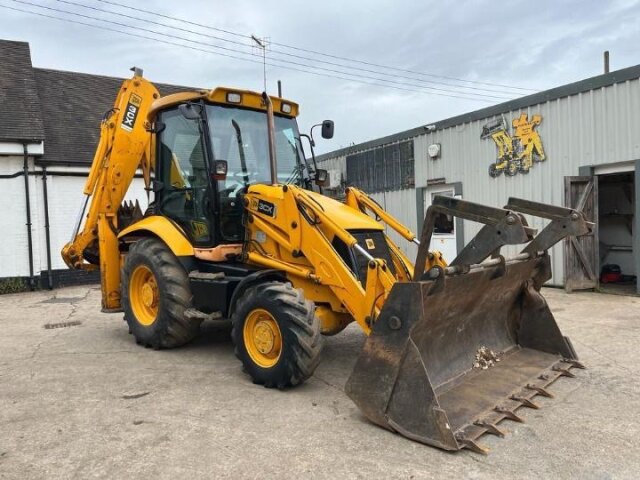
{"x":200,"y":229}
{"x":131,"y":112}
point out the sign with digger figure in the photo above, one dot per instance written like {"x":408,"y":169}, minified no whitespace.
{"x":517,"y":153}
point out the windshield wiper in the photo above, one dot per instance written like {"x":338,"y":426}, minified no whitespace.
{"x":297,"y":172}
{"x":243,"y":161}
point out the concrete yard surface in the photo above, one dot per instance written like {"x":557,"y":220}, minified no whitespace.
{"x":82,"y":400}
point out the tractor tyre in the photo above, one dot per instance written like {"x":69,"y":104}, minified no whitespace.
{"x":276,"y":335}
{"x":155,"y":293}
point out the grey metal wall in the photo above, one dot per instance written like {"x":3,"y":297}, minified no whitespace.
{"x":595,"y":127}
{"x":402,"y":205}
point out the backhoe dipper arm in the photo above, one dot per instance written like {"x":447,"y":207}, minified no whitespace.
{"x":123,"y":147}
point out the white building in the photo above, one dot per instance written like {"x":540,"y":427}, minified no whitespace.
{"x":554,"y":146}
{"x":49,"y":128}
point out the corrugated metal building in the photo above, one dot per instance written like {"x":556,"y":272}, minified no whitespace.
{"x":578,"y":143}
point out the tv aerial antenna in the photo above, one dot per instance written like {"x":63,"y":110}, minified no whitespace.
{"x":262,"y":44}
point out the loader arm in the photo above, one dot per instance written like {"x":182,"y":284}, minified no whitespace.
{"x":309,"y":246}
{"x":124,"y":146}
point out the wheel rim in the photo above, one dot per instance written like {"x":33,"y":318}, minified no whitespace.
{"x":143,"y":295}
{"x":262,"y":338}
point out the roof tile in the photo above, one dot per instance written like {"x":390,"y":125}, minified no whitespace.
{"x":20,"y":114}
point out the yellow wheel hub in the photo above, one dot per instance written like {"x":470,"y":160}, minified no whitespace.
{"x":262,"y":338}
{"x":143,"y":295}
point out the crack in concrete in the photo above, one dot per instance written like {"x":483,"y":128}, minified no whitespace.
{"x":74,"y":308}
{"x":74,"y":304}
{"x":36,"y":350}
{"x":329,"y":384}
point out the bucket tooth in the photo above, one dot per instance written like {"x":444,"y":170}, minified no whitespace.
{"x":490,"y":427}
{"x":540,"y":390}
{"x":508,"y":414}
{"x":524,"y":401}
{"x":574,"y":363}
{"x":472,"y":445}
{"x":564,"y":372}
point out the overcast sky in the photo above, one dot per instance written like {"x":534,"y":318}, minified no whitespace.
{"x":526,"y":44}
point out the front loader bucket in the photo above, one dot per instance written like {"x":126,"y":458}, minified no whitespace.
{"x":453,"y":354}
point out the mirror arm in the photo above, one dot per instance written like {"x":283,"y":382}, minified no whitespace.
{"x":312,"y":142}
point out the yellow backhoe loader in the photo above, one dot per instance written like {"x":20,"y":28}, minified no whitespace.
{"x":239,"y":229}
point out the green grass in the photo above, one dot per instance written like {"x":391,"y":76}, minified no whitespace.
{"x":13,"y":285}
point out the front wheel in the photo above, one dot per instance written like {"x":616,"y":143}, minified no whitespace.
{"x":276,"y":335}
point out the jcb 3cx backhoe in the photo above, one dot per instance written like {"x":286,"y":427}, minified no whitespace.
{"x":239,"y":229}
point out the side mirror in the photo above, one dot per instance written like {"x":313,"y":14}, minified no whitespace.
{"x":220,"y":169}
{"x":322,"y":177}
{"x":327,"y":129}
{"x":190,"y":111}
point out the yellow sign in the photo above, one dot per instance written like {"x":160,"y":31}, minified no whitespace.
{"x":517,"y":153}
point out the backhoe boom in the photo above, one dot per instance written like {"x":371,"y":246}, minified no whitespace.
{"x":122,"y":149}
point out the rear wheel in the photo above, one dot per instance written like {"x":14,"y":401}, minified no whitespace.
{"x":155,"y":293}
{"x":276,"y":335}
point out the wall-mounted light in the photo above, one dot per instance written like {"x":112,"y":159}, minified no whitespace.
{"x":433,"y":151}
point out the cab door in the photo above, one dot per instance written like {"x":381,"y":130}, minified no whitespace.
{"x":185,"y":187}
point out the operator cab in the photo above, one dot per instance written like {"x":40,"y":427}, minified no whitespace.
{"x":211,"y":146}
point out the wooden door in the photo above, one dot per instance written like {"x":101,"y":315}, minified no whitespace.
{"x":581,"y":253}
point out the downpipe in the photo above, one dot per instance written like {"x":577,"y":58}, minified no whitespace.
{"x":47,"y":232}
{"x":25,"y":169}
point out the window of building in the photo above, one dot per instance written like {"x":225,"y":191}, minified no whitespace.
{"x":384,"y":168}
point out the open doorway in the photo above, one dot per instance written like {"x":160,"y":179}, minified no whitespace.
{"x":445,"y":234}
{"x":616,"y":210}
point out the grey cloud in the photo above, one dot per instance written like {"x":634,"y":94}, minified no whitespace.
{"x":531,"y":44}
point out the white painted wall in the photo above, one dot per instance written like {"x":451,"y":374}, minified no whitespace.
{"x":17,"y":149}
{"x":65,"y":198}
{"x":14,"y":257}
